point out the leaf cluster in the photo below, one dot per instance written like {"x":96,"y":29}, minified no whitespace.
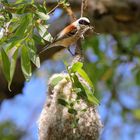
{"x":23,"y":26}
{"x":113,"y":65}
{"x":82,"y":87}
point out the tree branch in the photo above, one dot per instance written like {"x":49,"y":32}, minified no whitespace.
{"x":83,"y":7}
{"x":78,"y":50}
{"x":70,"y":13}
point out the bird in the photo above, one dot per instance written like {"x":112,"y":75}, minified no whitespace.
{"x":70,"y":34}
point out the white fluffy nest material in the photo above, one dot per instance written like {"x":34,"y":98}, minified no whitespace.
{"x":55,"y":121}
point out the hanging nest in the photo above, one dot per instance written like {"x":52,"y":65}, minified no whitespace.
{"x":56,"y":122}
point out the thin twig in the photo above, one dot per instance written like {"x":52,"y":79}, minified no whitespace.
{"x":70,"y":13}
{"x":78,"y":49}
{"x":53,"y":9}
{"x":83,"y":7}
{"x":78,"y":53}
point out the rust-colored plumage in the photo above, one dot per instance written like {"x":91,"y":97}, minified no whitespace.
{"x":70,"y":34}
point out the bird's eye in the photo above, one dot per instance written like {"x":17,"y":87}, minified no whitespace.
{"x":83,"y":22}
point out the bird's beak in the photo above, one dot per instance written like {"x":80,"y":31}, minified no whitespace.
{"x":91,"y":28}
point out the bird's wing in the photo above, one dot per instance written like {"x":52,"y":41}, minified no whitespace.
{"x":65,"y":33}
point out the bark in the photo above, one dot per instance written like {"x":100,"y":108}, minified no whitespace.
{"x":107,"y":16}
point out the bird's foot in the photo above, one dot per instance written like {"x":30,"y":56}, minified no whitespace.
{"x":82,"y":36}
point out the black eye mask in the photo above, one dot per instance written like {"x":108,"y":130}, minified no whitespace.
{"x":83,"y":22}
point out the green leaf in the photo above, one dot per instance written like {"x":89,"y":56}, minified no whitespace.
{"x":25,"y":63}
{"x":43,"y":16}
{"x":13,"y":66}
{"x":21,"y":31}
{"x":41,"y":7}
{"x":72,"y":103}
{"x":65,"y":1}
{"x":42,"y":30}
{"x":76,"y":66}
{"x":38,"y":40}
{"x":56,"y":80}
{"x":77,"y":90}
{"x":77,"y":84}
{"x":137,"y":77}
{"x":75,"y":122}
{"x":9,"y":67}
{"x":23,"y":25}
{"x":14,"y":24}
{"x":84,"y":110}
{"x":85,"y":92}
{"x":83,"y":74}
{"x":63,"y":102}
{"x":65,"y":63}
{"x":48,"y":37}
{"x":72,"y":111}
{"x":90,"y":97}
{"x":14,"y":41}
{"x":136,"y":113}
{"x":44,"y":33}
{"x":6,"y":64}
{"x":32,"y":52}
{"x":95,"y":47}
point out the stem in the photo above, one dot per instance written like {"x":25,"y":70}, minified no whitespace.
{"x":54,"y":8}
{"x":83,"y":7}
{"x":78,"y":53}
{"x":70,"y":13}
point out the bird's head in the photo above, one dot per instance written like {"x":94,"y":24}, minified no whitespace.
{"x":82,"y":22}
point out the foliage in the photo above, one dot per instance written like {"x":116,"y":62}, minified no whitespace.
{"x":23,"y":26}
{"x":8,"y":131}
{"x":113,"y":65}
{"x":83,"y":88}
